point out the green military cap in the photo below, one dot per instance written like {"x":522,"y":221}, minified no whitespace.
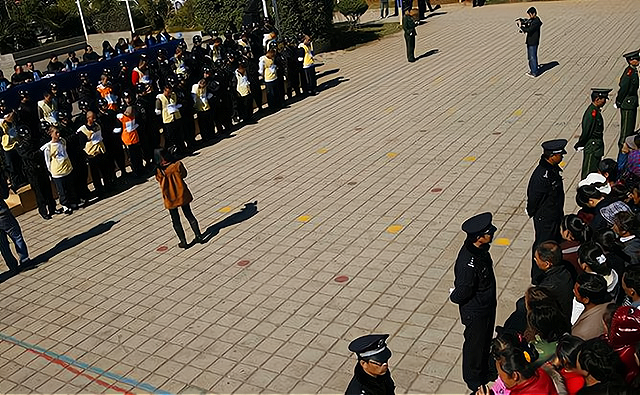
{"x":600,"y":92}
{"x":632,"y":55}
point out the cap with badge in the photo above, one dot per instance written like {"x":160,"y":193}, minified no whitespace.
{"x":554,"y":146}
{"x":600,"y":93}
{"x":371,"y":347}
{"x":479,"y":225}
{"x":633,"y":55}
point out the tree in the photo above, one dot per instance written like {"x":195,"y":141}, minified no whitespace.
{"x":156,"y":12}
{"x":312,"y":17}
{"x":218,"y":15}
{"x":352,"y":10}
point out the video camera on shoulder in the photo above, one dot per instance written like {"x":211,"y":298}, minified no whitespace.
{"x":523,"y":24}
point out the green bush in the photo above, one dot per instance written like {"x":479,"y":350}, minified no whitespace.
{"x":352,"y":10}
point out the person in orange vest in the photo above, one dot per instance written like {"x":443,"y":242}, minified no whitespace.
{"x":105,"y":90}
{"x":131,"y":139}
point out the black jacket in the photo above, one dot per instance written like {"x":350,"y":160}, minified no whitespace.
{"x":365,"y":384}
{"x":559,"y":281}
{"x":533,"y":31}
{"x":545,"y":193}
{"x":475,"y":283}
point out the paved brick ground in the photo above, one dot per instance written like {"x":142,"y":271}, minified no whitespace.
{"x":419,"y":147}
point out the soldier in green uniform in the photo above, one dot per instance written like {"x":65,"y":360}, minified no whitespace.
{"x":627,"y":99}
{"x":592,"y":138}
{"x":409,"y":27}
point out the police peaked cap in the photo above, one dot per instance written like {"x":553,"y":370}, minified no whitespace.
{"x":371,"y":347}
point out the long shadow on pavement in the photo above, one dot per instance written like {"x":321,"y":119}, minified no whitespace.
{"x":428,"y":53}
{"x":249,"y":210}
{"x":332,"y":83}
{"x":63,"y":245}
{"x":546,"y":67}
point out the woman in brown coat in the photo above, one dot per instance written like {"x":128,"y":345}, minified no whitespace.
{"x":170,"y":174}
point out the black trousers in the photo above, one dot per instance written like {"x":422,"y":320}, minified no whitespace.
{"x":545,"y":229}
{"x":206,"y":124}
{"x":80,"y":176}
{"x":14,"y":164}
{"x":173,"y":138}
{"x":100,"y":172}
{"x":310,"y":84}
{"x":273,"y":97}
{"x":177,"y":225}
{"x":66,"y":191}
{"x":478,"y":332}
{"x":39,"y":180}
{"x":245,"y":107}
{"x":135,"y":157}
{"x":115,"y":153}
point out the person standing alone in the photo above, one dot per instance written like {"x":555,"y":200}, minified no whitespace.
{"x":475,"y":293}
{"x":409,"y":27}
{"x":532,"y":28}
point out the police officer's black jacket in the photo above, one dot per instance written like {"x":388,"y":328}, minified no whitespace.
{"x":559,"y":281}
{"x":545,"y":193}
{"x":363,"y":383}
{"x":475,"y":283}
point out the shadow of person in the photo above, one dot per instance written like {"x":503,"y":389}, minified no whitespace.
{"x":332,"y":83}
{"x":546,"y":67}
{"x":327,"y":72}
{"x":428,"y":53}
{"x":62,"y":245}
{"x":249,"y":210}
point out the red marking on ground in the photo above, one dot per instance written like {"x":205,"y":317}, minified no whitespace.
{"x":341,"y":279}
{"x":436,"y":190}
{"x":243,"y":263}
{"x":162,"y":248}
{"x":80,"y":373}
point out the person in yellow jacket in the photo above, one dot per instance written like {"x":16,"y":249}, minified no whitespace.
{"x":168,"y":108}
{"x":59,"y":165}
{"x":202,"y":104}
{"x":8,"y":128}
{"x":48,"y":109}
{"x":305,"y":56}
{"x":99,"y":165}
{"x":269,"y":72}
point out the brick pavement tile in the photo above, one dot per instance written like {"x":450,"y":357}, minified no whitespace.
{"x":206,"y":380}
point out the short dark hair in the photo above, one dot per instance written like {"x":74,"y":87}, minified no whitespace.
{"x":627,"y":221}
{"x":599,"y":360}
{"x":577,"y":227}
{"x":587,"y":192}
{"x":594,"y":287}
{"x":547,"y":321}
{"x":632,"y":278}
{"x":609,"y":166}
{"x":532,"y":10}
{"x":592,"y":254}
{"x":550,"y":251}
{"x":567,"y":349}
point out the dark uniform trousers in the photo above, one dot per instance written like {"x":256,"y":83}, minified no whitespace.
{"x":409,"y":36}
{"x":475,"y":293}
{"x":627,"y":102}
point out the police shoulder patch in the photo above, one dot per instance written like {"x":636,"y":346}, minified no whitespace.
{"x":629,"y":71}
{"x":471,"y":264}
{"x":594,"y":113}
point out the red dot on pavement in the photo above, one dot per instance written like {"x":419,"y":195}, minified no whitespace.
{"x":436,"y":190}
{"x":341,"y":279}
{"x":242,"y":263}
{"x":162,"y":248}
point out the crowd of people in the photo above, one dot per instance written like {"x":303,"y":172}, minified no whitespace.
{"x":134,"y":109}
{"x":576,"y":330}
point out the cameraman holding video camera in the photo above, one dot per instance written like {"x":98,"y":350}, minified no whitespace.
{"x":531,"y":26}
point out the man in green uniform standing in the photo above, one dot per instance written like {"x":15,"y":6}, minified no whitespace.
{"x":627,"y":99}
{"x":591,"y":140}
{"x":409,"y":27}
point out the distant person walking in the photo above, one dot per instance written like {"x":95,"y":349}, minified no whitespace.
{"x":409,"y":27}
{"x":170,"y":174}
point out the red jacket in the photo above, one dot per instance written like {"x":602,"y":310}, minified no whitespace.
{"x":539,"y":384}
{"x":624,"y":335}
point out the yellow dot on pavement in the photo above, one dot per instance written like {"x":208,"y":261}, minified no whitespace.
{"x":469,"y":159}
{"x":517,"y":112}
{"x":394,"y":229}
{"x":388,"y":110}
{"x":563,"y":164}
{"x":225,"y":209}
{"x":392,"y":155}
{"x":451,"y":110}
{"x":502,"y":241}
{"x":304,"y":218}
{"x":322,"y":151}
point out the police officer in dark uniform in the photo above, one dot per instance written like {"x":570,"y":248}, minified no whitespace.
{"x":371,"y":375}
{"x":545,"y":197}
{"x":592,"y":138}
{"x":475,"y":293}
{"x":627,"y":98}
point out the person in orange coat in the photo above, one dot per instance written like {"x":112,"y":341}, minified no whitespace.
{"x":170,"y":174}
